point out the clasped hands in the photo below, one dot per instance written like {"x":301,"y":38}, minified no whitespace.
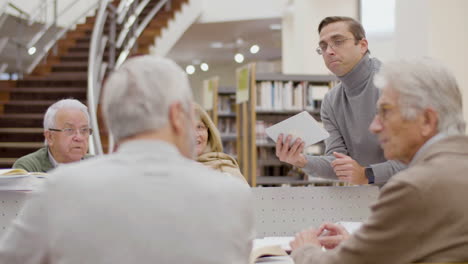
{"x":328,"y":235}
{"x":345,"y":168}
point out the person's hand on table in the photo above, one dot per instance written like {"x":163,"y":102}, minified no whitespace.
{"x":306,"y":237}
{"x":332,"y":235}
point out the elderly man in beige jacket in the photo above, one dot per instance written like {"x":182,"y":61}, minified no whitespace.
{"x":421,"y":213}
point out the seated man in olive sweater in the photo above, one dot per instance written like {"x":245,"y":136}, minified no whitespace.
{"x":66,"y":132}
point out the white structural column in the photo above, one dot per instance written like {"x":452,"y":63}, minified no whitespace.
{"x":300,"y":36}
{"x":438,"y":29}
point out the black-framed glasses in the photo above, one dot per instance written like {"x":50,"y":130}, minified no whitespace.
{"x":84,"y":131}
{"x":336,"y":43}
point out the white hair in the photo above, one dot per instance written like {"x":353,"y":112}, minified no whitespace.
{"x":137,"y":96}
{"x":51,"y":113}
{"x":425,"y":83}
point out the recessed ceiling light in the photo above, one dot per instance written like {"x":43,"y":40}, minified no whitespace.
{"x":204,"y":67}
{"x":190,"y":69}
{"x":254,"y":49}
{"x":31,"y":50}
{"x":216,"y":45}
{"x":239,"y":58}
{"x":275,"y":26}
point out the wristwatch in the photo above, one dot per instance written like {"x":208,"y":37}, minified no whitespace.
{"x":370,"y":175}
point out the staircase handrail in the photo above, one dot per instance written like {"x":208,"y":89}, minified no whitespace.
{"x":45,"y":50}
{"x":18,"y":9}
{"x":97,"y":67}
{"x":38,"y":36}
{"x":131,"y":42}
{"x":93,"y":70}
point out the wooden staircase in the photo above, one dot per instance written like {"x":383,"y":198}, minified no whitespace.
{"x":23,"y":103}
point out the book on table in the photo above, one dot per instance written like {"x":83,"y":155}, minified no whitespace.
{"x":18,"y":179}
{"x":270,"y":246}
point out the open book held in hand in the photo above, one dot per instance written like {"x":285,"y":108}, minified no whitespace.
{"x":302,"y":125}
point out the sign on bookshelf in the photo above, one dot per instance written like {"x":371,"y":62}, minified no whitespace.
{"x":242,"y":89}
{"x":208,"y":92}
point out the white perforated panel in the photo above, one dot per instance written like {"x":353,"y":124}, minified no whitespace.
{"x":10,"y":205}
{"x":287,"y":210}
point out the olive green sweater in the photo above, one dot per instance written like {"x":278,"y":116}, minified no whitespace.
{"x":37,"y":161}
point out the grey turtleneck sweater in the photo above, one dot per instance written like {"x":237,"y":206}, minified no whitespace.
{"x":347,"y":111}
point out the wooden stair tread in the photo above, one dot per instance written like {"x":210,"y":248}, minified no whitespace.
{"x":23,"y":130}
{"x":43,"y":89}
{"x":7,"y":160}
{"x":23,"y":116}
{"x":28,"y":102}
{"x":59,"y":76}
{"x":21,"y":144}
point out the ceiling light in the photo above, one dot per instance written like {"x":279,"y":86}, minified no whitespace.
{"x":254,"y":49}
{"x":275,"y":26}
{"x":190,"y":69}
{"x":31,"y":50}
{"x":239,"y":58}
{"x":204,"y":67}
{"x":216,"y":45}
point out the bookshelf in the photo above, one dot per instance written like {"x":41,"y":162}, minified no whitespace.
{"x":227,"y":119}
{"x":219,"y":102}
{"x":210,"y":98}
{"x":272,"y":98}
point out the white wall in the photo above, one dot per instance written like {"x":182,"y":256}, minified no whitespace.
{"x":32,"y":7}
{"x":300,"y":36}
{"x":229,"y":10}
{"x":437,"y":29}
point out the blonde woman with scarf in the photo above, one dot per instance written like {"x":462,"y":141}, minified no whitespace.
{"x":209,"y":148}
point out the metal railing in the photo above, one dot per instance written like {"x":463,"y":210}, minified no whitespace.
{"x":29,"y":19}
{"x":126,"y":17}
{"x":49,"y":45}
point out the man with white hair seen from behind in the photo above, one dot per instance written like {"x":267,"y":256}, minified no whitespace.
{"x":420,"y":215}
{"x":66,"y":133}
{"x":147,"y":202}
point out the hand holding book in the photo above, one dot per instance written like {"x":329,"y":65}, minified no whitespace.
{"x":293,"y":135}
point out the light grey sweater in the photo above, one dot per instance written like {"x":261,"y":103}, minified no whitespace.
{"x":347,"y":111}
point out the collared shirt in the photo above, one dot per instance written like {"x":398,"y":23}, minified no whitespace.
{"x":51,"y":159}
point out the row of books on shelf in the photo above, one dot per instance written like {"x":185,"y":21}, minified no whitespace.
{"x":227,"y":126}
{"x":230,"y":148}
{"x":226,"y":104}
{"x":278,"y":95}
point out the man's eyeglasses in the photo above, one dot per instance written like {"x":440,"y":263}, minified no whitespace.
{"x":84,"y":131}
{"x":336,"y":43}
{"x":383,"y":111}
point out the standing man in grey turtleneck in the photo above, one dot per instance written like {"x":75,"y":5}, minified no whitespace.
{"x":352,"y":152}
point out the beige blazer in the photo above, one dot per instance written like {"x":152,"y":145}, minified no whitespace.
{"x":421,"y":214}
